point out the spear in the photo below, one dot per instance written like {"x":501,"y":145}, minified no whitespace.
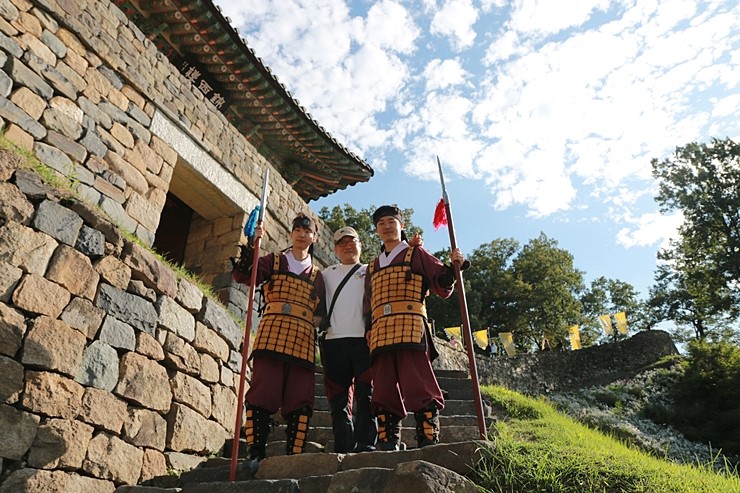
{"x":247,"y":332}
{"x":443,"y":215}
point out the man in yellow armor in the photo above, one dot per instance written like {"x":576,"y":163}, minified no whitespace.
{"x":283,"y":355}
{"x":401,"y":346}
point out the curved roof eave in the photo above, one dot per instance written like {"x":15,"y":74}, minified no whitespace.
{"x":259,"y":105}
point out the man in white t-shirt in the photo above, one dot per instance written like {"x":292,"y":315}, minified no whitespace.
{"x":345,"y":354}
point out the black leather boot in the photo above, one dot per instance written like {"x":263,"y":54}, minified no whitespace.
{"x":427,"y":426}
{"x":256,"y":429}
{"x":341,"y":425}
{"x":389,"y":431}
{"x":366,"y":429}
{"x":297,"y":430}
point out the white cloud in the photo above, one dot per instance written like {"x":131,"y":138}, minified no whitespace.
{"x":441,"y":74}
{"x":544,"y":17}
{"x":614,"y":95}
{"x":455,"y":20}
{"x":389,"y":26}
{"x":650,"y":229}
{"x":564,"y":105}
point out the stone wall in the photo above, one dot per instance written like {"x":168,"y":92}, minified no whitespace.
{"x":83,"y":89}
{"x":113,"y":369}
{"x":562,"y":370}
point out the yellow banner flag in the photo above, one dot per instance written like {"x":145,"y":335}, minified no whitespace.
{"x":453,"y":332}
{"x":508,"y":341}
{"x":621,"y":319}
{"x":481,"y":338}
{"x":606,"y":324}
{"x":575,"y":337}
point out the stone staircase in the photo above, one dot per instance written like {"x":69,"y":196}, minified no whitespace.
{"x":437,"y":468}
{"x":458,"y":421}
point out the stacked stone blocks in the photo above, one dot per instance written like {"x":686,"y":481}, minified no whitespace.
{"x":114,"y":370}
{"x":79,"y":86}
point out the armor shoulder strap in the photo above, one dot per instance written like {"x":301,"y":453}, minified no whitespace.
{"x":314,"y":273}
{"x":275,"y":262}
{"x":409,"y":254}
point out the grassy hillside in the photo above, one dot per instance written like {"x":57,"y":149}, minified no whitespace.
{"x":538,"y":449}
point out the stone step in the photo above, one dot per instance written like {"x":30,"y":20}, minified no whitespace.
{"x":455,"y":384}
{"x":466,"y":392}
{"x":440,"y":374}
{"x":323,"y":419}
{"x":461,"y":374}
{"x":452,"y":406}
{"x":457,"y":457}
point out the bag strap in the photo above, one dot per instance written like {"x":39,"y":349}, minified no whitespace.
{"x":339,"y":288}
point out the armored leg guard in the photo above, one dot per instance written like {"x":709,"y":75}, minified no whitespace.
{"x":256,"y":429}
{"x":389,"y":431}
{"x":427,"y":426}
{"x":297,"y":430}
{"x":341,"y":424}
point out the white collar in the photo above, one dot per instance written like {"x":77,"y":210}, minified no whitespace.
{"x":297,"y":266}
{"x":385,"y":258}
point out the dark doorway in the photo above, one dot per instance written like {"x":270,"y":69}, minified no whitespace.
{"x":174,"y":226}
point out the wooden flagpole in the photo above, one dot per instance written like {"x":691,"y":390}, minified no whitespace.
{"x":247,"y":333}
{"x":466,"y":329}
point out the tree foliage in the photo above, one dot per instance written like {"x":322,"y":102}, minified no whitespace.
{"x":530,"y":291}
{"x":609,"y":296}
{"x":361,"y":220}
{"x":707,"y":406}
{"x":698,"y":285}
{"x":533,"y":291}
{"x":547,"y":285}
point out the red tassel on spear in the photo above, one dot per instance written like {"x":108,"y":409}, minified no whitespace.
{"x":445,"y":218}
{"x":247,"y":333}
{"x":440,"y":215}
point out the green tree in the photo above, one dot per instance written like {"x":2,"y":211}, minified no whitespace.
{"x":609,"y":296}
{"x":361,"y":220}
{"x":698,"y":284}
{"x":547,"y":287}
{"x":707,"y":397}
{"x":680,"y":295}
{"x":492,"y":285}
{"x":446,"y":313}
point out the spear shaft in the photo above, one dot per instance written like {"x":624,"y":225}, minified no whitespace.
{"x":247,"y":333}
{"x":466,"y":329}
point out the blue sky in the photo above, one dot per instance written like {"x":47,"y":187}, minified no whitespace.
{"x":545,"y":114}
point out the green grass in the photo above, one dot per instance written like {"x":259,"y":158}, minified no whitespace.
{"x":537,"y":449}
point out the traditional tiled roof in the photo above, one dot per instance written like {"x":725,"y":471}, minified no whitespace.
{"x":254,"y":101}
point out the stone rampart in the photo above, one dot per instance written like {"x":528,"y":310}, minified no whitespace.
{"x":541,"y":372}
{"x":113,"y":369}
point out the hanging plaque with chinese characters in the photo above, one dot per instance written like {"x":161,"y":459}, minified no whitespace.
{"x":203,"y":81}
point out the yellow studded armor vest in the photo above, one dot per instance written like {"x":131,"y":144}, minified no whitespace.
{"x":286,"y":330}
{"x":399,"y":314}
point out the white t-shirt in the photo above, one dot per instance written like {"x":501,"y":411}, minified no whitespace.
{"x":346,"y":317}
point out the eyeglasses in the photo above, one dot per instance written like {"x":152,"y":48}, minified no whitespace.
{"x":346,"y":241}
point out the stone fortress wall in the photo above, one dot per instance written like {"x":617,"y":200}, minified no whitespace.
{"x":113,"y":368}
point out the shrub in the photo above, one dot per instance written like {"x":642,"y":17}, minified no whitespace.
{"x":707,"y":397}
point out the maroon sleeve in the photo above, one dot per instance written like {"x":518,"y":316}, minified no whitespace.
{"x":438,"y":275}
{"x":264,"y":269}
